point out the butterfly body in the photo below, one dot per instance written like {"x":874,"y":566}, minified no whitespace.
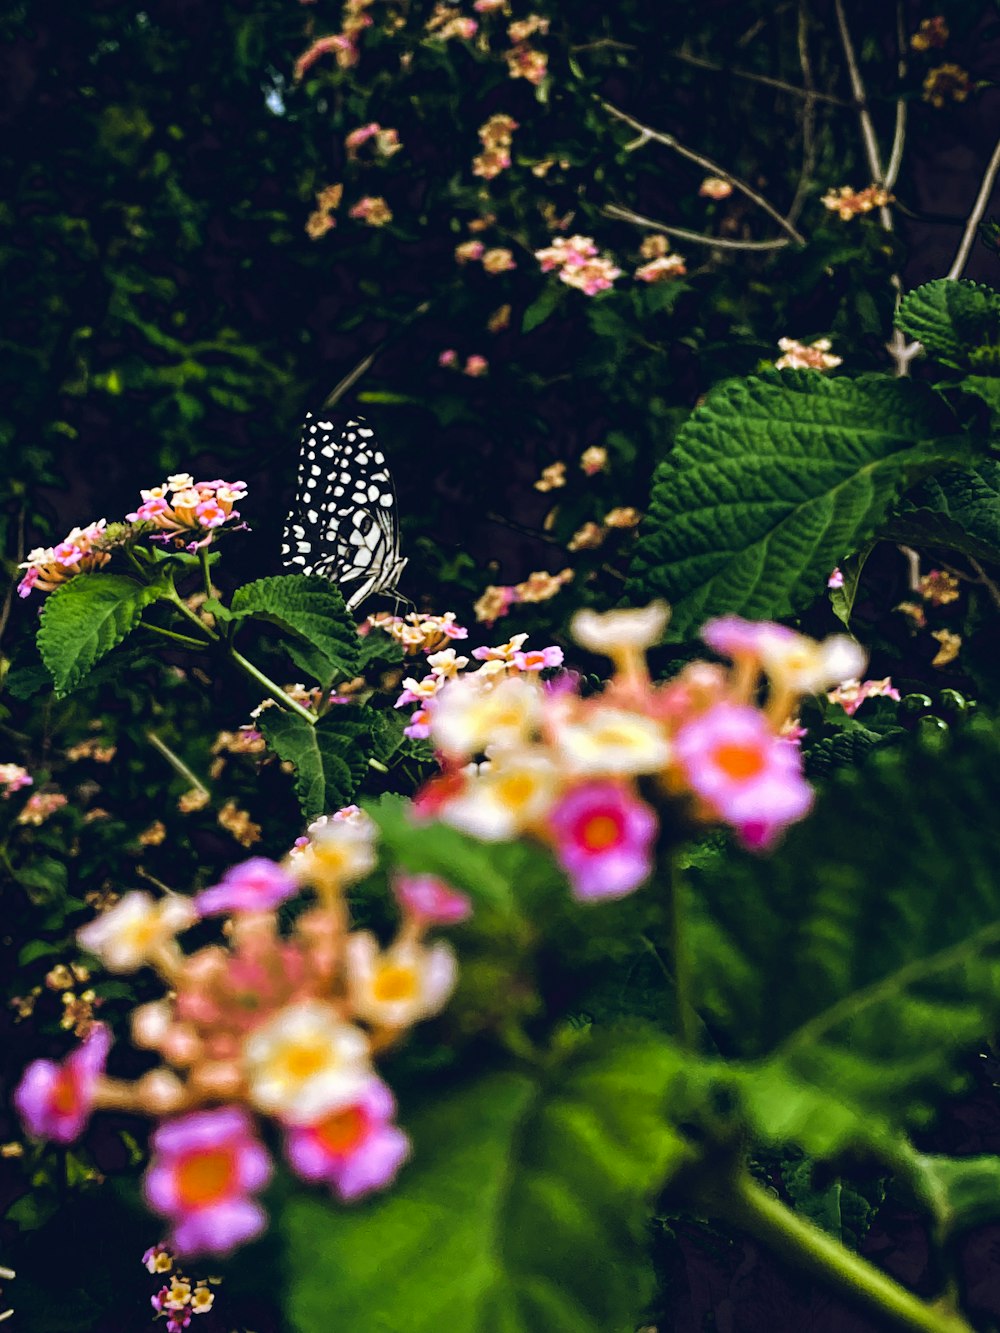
{"x":344,"y":524}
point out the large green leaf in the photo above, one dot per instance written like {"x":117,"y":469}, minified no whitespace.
{"x":87,"y":617}
{"x":772,"y":480}
{"x":957,"y":321}
{"x":881,"y":917}
{"x":330,"y":758}
{"x":522,"y":1211}
{"x":958,"y":509}
{"x":323,"y":637}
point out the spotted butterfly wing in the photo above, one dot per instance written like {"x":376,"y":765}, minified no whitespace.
{"x":343,"y":523}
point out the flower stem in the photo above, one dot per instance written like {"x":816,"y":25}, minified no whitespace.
{"x":176,"y":762}
{"x":687,"y":1019}
{"x":751,"y":1207}
{"x":185,"y":639}
{"x":270,"y":688}
{"x":177,"y":601}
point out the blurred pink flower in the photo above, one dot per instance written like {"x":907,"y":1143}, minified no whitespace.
{"x":256,"y":885}
{"x":603,"y":838}
{"x":355,"y":1149}
{"x":430,"y":901}
{"x":55,"y":1101}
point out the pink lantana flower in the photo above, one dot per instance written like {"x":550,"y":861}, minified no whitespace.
{"x":475,"y":366}
{"x":257,"y":885}
{"x":355,"y":1149}
{"x":205,"y":1167}
{"x":751,"y":778}
{"x":538,"y":659}
{"x":430,"y":901}
{"x":448,"y":358}
{"x":732,"y":636}
{"x":55,"y":1100}
{"x":851,"y":694}
{"x":603,"y":837}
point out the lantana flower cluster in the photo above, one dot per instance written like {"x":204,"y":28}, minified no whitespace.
{"x":285,"y":1024}
{"x":181,"y":1297}
{"x":848,"y":203}
{"x":579,"y":264}
{"x":585,"y":775}
{"x":418,"y":633}
{"x":12,"y":778}
{"x":946,"y":83}
{"x":180,"y":511}
{"x":495,"y":135}
{"x":539,"y":586}
{"x":806,"y":356}
{"x":385,"y":142}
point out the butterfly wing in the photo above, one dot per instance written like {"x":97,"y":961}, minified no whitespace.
{"x":344,"y":523}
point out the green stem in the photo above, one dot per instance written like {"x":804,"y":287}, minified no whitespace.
{"x":687,"y":1019}
{"x":752,"y":1208}
{"x":185,"y":639}
{"x":205,"y":572}
{"x":270,"y":688}
{"x":176,"y":762}
{"x":185,"y":610}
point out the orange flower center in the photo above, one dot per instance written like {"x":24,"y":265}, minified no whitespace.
{"x":394,"y":983}
{"x":305,"y":1059}
{"x":600,"y":832}
{"x":205,"y":1177}
{"x":343,"y":1130}
{"x":739,"y":762}
{"x":65,"y":1097}
{"x":516,"y":789}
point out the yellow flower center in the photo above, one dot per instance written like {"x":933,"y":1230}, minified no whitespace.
{"x":304,"y":1060}
{"x":393,"y":982}
{"x":516,"y":789}
{"x":205,"y":1177}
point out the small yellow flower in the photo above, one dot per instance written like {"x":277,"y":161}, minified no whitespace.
{"x":950,"y":647}
{"x":401,"y":985}
{"x":305,"y":1062}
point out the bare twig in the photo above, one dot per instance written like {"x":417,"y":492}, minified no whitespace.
{"x":861,"y":103}
{"x":987,"y":582}
{"x":808,"y":117}
{"x":668,"y":140}
{"x":694,"y":237}
{"x":899,"y":134}
{"x":976,"y":216}
{"x":766,"y":79}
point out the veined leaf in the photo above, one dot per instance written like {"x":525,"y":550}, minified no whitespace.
{"x":881,"y":915}
{"x":842,"y":599}
{"x":954,"y":320}
{"x":311,"y":610}
{"x":772,"y":479}
{"x":330,"y":758}
{"x":87,"y":617}
{"x":958,"y":509}
{"x":522,"y":1211}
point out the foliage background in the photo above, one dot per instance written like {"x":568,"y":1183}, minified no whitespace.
{"x":165,"y":309}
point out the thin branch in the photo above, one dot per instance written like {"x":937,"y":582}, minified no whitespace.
{"x":805,"y":93}
{"x":987,"y":583}
{"x":861,"y":103}
{"x":899,"y":134}
{"x":669,"y":141}
{"x":808,"y":117}
{"x":976,"y":216}
{"x":177,"y":763}
{"x":695,"y":237}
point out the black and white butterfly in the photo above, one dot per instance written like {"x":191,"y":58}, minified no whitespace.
{"x":343,"y":523}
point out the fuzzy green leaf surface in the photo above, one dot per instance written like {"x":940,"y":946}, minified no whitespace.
{"x":330,"y":758}
{"x":772,"y":480}
{"x":881,"y":916}
{"x":522,"y":1209}
{"x":958,"y":509}
{"x":311,"y":610}
{"x":955,"y":321}
{"x":84,"y":619}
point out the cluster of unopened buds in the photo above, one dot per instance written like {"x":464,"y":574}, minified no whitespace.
{"x":521,"y":757}
{"x":273,"y":1022}
{"x":181,"y":511}
{"x":806,"y":356}
{"x":661,"y":265}
{"x":848,"y":203}
{"x":579,"y":264}
{"x":180,"y":1297}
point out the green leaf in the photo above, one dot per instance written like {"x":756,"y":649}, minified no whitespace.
{"x":881,"y":916}
{"x":958,"y":509}
{"x":87,"y":617}
{"x":311,"y":610}
{"x":962,"y":1192}
{"x":772,"y":479}
{"x":955,"y":321}
{"x":842,"y":599}
{"x":330,"y":758}
{"x":541,"y":307}
{"x":522,"y":1210}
